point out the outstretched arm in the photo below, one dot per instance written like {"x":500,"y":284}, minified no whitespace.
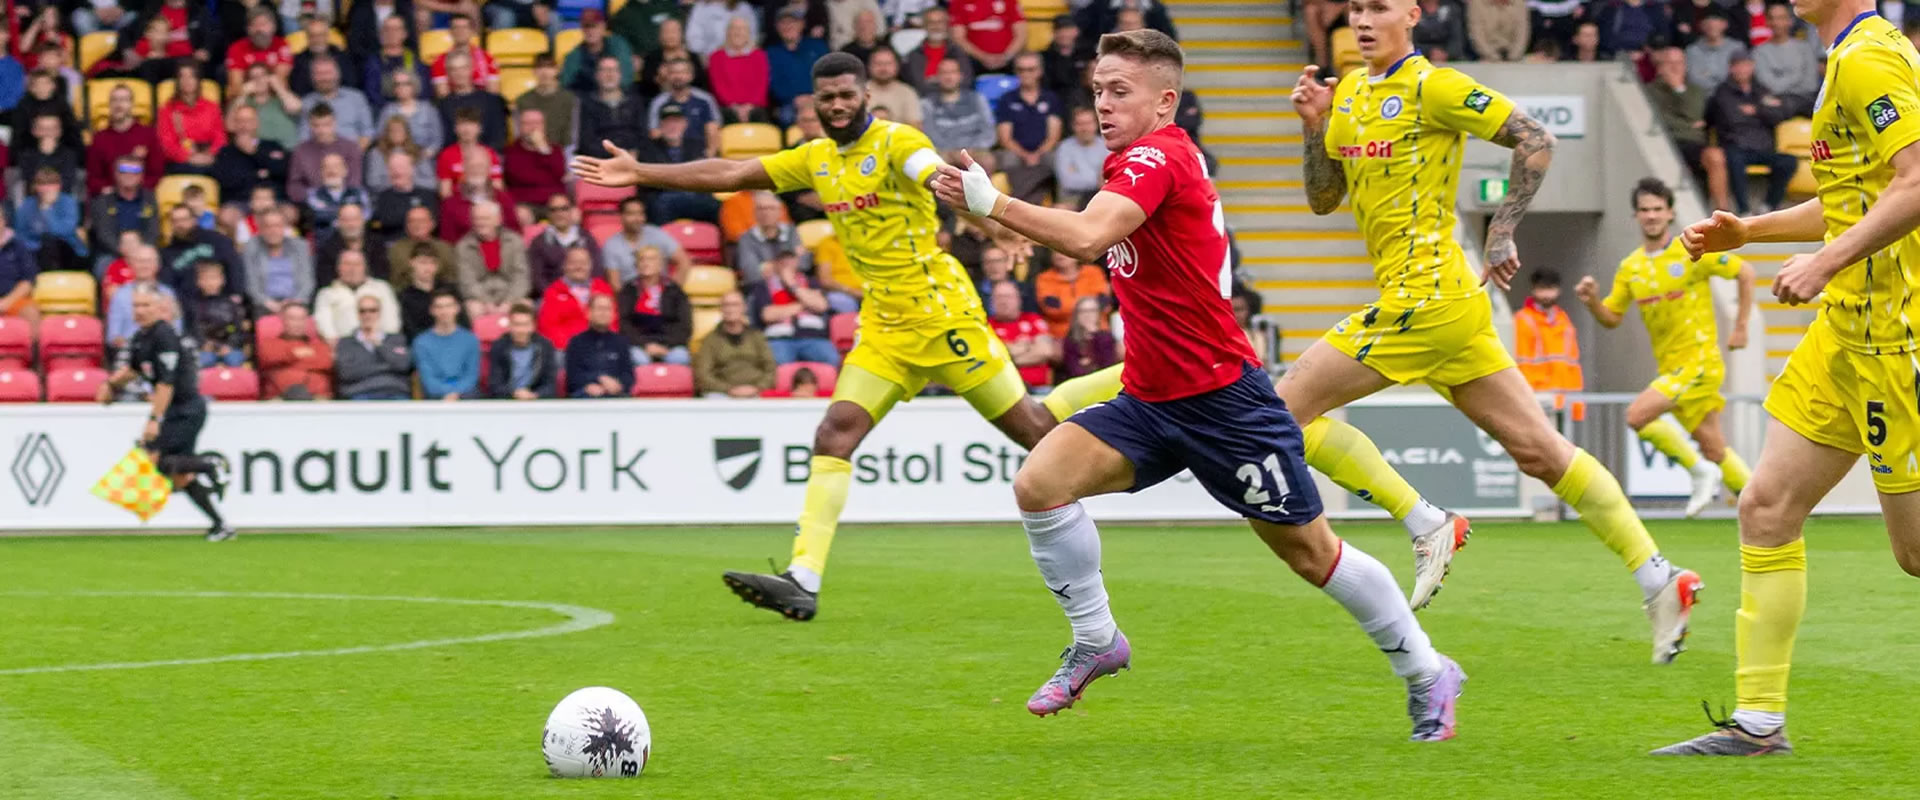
{"x":706,"y":175}
{"x":1532,"y":149}
{"x":1085,"y":235}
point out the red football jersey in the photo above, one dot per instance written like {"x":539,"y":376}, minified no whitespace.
{"x":1173,"y":275}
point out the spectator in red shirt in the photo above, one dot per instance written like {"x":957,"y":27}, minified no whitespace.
{"x":297,"y":364}
{"x":485,"y":73}
{"x":923,"y":62}
{"x":1025,"y":334}
{"x":535,"y":168}
{"x":191,"y":130}
{"x":563,"y":307}
{"x":123,"y":135}
{"x":456,"y":210}
{"x":261,"y":46}
{"x":740,"y":75}
{"x":451,"y":165}
{"x":991,"y":31}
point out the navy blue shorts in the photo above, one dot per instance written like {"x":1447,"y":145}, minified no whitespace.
{"x":1239,"y":440}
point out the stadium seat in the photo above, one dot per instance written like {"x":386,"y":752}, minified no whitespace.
{"x":704,"y":284}
{"x":230,"y":383}
{"x":268,"y":326}
{"x":75,"y":385}
{"x":662,"y":380}
{"x":1043,"y":9}
{"x":701,"y":240}
{"x":72,"y":336}
{"x":991,"y":87}
{"x":168,"y":193}
{"x":19,"y":386}
{"x":813,"y":232}
{"x":1795,"y":136}
{"x":1039,"y":34}
{"x":743,"y":140}
{"x":516,"y":81}
{"x":65,"y":292}
{"x":516,"y":47}
{"x":95,"y":46}
{"x":435,"y":43}
{"x":704,"y":321}
{"x":1803,"y":183}
{"x":490,"y":329}
{"x":100,"y":90}
{"x":57,"y":363}
{"x":16,"y":343}
{"x":593,"y":197}
{"x":1346,"y":51}
{"x":297,"y":40}
{"x":843,"y":327}
{"x":601,"y":226}
{"x":783,"y":375}
{"x":565,"y":41}
{"x":209,"y":91}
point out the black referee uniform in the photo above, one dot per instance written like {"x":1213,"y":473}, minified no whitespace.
{"x":161,"y":358}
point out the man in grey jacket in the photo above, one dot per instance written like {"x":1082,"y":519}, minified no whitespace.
{"x":371,"y":364}
{"x":279,"y":265}
{"x":1710,"y":56}
{"x":1788,"y":66}
{"x":954,"y":116}
{"x":767,"y":239}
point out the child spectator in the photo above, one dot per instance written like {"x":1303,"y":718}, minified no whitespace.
{"x":48,"y":221}
{"x":195,"y":199}
{"x":598,"y":361}
{"x":48,"y":151}
{"x":218,"y":316}
{"x":522,"y":362}
{"x":297,"y":364}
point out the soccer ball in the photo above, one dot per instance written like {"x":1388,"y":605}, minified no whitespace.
{"x":597,"y":732}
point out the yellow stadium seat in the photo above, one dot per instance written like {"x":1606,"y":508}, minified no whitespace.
{"x":516,"y":47}
{"x":565,"y":41}
{"x":1803,"y":183}
{"x":613,"y":6}
{"x":1042,"y":9}
{"x":1795,"y":136}
{"x":832,"y":257}
{"x":1039,"y":34}
{"x":1346,"y":51}
{"x":434,"y":43}
{"x":515,"y":81}
{"x":794,"y":136}
{"x":704,"y":285}
{"x":93,"y":47}
{"x":100,"y":91}
{"x":297,"y":40}
{"x":1001,"y":182}
{"x":704,"y":321}
{"x":813,"y":232}
{"x":64,"y":292}
{"x":168,"y":194}
{"x":209,"y":91}
{"x":748,"y":140}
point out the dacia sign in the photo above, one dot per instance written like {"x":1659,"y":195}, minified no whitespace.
{"x":1440,"y":452}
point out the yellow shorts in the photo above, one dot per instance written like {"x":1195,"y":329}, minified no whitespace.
{"x":1855,"y":402}
{"x":886,"y":368}
{"x":1694,"y":390}
{"x":1441,"y":342}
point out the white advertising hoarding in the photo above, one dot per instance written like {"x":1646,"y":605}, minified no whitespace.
{"x":1563,"y":115}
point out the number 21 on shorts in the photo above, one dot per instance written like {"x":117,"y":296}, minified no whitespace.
{"x":1255,"y":477}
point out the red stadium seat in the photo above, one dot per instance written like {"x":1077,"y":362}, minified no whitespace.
{"x":701,"y":240}
{"x":230,"y":383}
{"x":826,"y":373}
{"x":19,"y":386}
{"x":75,"y":385}
{"x":72,"y":336}
{"x":16,"y":343}
{"x":58,"y":363}
{"x":489,"y":329}
{"x":842,"y":327}
{"x":592,"y":197}
{"x":602,"y":226}
{"x":662,"y":380}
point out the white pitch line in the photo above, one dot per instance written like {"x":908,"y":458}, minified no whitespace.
{"x":579,"y":618}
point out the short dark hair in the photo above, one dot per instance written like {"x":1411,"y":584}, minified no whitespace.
{"x":467,"y":114}
{"x":446,"y":293}
{"x":834,"y":65}
{"x":1652,"y":187}
{"x":1146,"y":45}
{"x":1545,"y":278}
{"x":422,"y":249}
{"x":520,"y":307}
{"x":205,"y":264}
{"x":544,"y":60}
{"x":320,"y":110}
{"x":633,"y":201}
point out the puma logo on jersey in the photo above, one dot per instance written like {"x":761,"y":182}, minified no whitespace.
{"x":1134,"y":176}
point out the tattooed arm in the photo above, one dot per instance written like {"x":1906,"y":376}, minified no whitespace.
{"x":1326,"y":178}
{"x":1532,"y":149}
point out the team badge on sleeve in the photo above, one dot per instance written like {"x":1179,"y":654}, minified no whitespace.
{"x":1478,"y":101}
{"x":1882,"y":113}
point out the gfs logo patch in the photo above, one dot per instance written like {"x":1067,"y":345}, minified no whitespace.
{"x":1881,"y":113}
{"x":1478,"y":101}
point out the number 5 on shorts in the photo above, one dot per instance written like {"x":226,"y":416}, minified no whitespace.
{"x":1876,"y":424}
{"x":1256,"y":487}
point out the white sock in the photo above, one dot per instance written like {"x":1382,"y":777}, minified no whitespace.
{"x":1424,"y":517}
{"x":1653,"y":575}
{"x":1760,"y":722}
{"x":1066,"y":547}
{"x":1365,"y":588}
{"x":808,"y":579}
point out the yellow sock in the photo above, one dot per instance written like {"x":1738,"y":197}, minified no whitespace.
{"x":827,"y":488}
{"x":1076,"y":394}
{"x":1667,"y":438}
{"x":1773,"y":596}
{"x":1593,"y":492}
{"x":1350,"y":459}
{"x":1734,"y":472}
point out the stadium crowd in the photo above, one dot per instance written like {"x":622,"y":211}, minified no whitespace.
{"x":371,"y":200}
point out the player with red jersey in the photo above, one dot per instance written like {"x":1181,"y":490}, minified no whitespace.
{"x":1194,"y":398}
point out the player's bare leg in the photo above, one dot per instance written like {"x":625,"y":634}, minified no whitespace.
{"x":1793,"y":475}
{"x":1503,"y":405}
{"x":1645,"y":417}
{"x":1712,"y":439}
{"x":1322,"y":379}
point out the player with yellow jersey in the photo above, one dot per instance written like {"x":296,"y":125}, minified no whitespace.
{"x":1849,"y":389}
{"x":1675,"y":296}
{"x":1389,"y":138}
{"x":921,"y":320}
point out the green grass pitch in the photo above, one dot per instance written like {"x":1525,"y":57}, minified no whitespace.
{"x":1246,"y":682}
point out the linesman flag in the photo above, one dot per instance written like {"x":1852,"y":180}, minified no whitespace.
{"x":136,"y":485}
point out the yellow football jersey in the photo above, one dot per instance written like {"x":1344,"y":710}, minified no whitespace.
{"x":1399,"y":137}
{"x":1868,"y":109}
{"x":883,"y":215}
{"x":1675,"y":300}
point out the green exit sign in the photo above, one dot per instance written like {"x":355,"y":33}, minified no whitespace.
{"x":1493,"y":190}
